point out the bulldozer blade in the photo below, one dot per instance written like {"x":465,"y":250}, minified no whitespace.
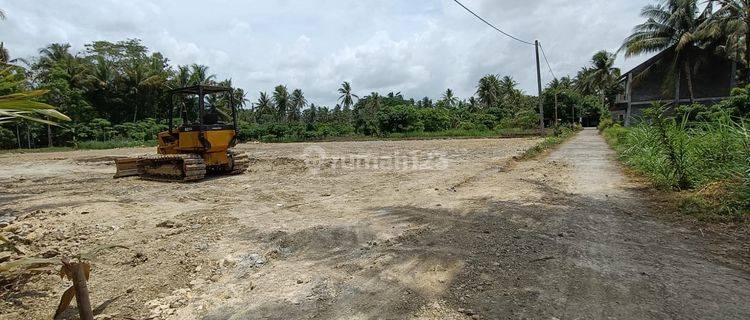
{"x":126,"y":167}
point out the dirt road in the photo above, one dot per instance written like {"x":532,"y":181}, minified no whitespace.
{"x":444,"y":229}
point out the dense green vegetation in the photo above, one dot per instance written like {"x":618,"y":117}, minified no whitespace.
{"x":709,"y":157}
{"x":115,"y":94}
{"x":701,"y":150}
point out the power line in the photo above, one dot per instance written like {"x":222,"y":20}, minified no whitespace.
{"x":547,"y":61}
{"x":544,"y":54}
{"x":491,"y":25}
{"x":537,"y":46}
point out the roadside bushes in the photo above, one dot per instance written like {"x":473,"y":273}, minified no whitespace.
{"x":399,"y":119}
{"x":524,"y":119}
{"x":615,"y":135}
{"x":561,"y":133}
{"x":102,"y":130}
{"x":604,"y":123}
{"x":703,"y":156}
{"x":390,"y":121}
{"x":737,"y":105}
{"x":288,"y":132}
{"x":436,"y":119}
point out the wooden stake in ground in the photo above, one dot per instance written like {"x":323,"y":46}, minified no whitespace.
{"x":78,"y":272}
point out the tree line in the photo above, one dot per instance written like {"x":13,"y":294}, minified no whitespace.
{"x":117,"y":90}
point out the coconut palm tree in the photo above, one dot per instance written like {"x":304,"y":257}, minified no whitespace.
{"x":199,"y":75}
{"x":139,"y":77}
{"x":297,"y":102}
{"x":602,"y":76}
{"x":488,"y":91}
{"x":670,"y":24}
{"x":508,"y":85}
{"x":5,"y":56}
{"x":449,"y":98}
{"x":281,"y":99}
{"x":582,"y":84}
{"x":181,"y":77}
{"x":373,"y":102}
{"x":347,"y":97}
{"x":22,"y":106}
{"x":729,"y":26}
{"x":240,"y":98}
{"x":472,"y":104}
{"x":103,"y":74}
{"x":264,"y":107}
{"x":55,"y":54}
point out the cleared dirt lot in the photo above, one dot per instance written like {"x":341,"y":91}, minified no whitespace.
{"x":442,"y":229}
{"x":281,"y":240}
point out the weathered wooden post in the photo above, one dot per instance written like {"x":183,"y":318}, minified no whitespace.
{"x":82,"y":292}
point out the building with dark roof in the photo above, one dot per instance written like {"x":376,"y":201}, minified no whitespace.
{"x":654,"y":81}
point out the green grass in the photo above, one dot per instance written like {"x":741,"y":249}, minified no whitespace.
{"x":548,"y":143}
{"x":418,"y":135}
{"x":113,"y":144}
{"x":37,"y":150}
{"x":460,"y":133}
{"x":88,"y":145}
{"x":708,"y":162}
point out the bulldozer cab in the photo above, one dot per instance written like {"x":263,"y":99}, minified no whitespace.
{"x":203,"y":108}
{"x":208,"y":126}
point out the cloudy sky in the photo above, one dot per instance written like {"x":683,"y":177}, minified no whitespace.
{"x":417,"y":47}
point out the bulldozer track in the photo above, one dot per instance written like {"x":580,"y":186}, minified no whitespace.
{"x":240,"y":162}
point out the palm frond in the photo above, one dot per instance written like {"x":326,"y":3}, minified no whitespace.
{"x":19,"y":105}
{"x":23,"y":105}
{"x":23,"y":95}
{"x":52,"y":113}
{"x":27,"y":116}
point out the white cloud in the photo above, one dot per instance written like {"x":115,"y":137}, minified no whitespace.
{"x":416,"y":47}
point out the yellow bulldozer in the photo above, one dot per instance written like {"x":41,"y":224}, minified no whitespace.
{"x":201,"y":145}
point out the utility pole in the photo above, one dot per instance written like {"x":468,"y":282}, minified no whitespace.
{"x":539,"y":84}
{"x":556,"y":109}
